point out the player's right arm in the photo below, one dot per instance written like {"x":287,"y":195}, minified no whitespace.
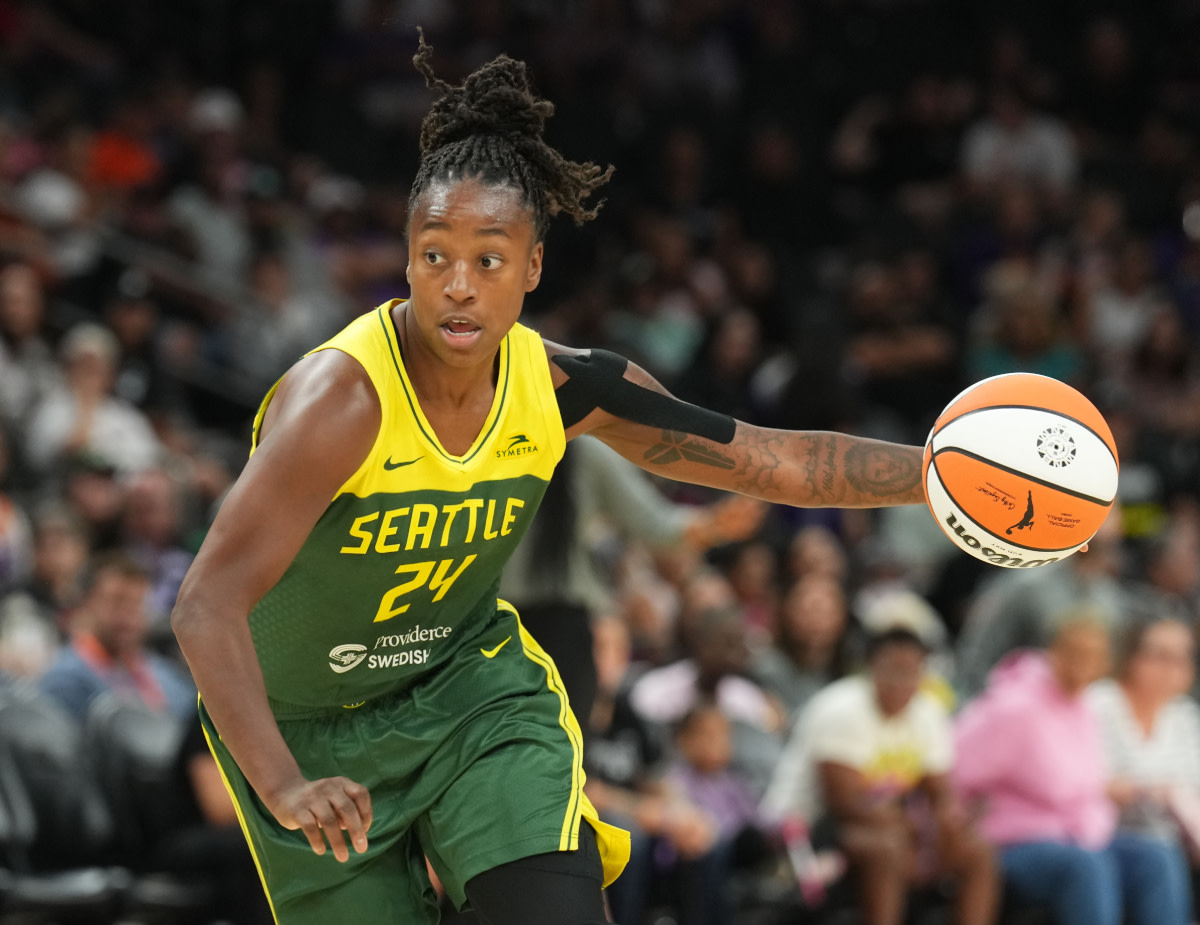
{"x":318,"y":428}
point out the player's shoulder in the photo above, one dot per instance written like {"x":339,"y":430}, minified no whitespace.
{"x":559,"y":374}
{"x":328,"y":384}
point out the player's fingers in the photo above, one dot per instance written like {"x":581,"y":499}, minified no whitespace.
{"x":350,"y":818}
{"x":362,"y":799}
{"x":331,"y":826}
{"x":312,"y":831}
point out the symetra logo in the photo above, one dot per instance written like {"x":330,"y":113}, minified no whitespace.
{"x":518,"y":445}
{"x":343,"y":658}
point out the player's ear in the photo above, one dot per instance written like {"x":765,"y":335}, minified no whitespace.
{"x":408,"y":273}
{"x":533,"y":273}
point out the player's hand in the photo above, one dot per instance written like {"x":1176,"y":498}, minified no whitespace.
{"x":325,"y":809}
{"x":729,"y":520}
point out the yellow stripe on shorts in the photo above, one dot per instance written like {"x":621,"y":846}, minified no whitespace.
{"x":237,"y":808}
{"x":569,"y":838}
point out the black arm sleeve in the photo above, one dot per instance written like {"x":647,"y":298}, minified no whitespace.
{"x":598,"y":381}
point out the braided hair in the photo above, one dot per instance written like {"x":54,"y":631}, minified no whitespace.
{"x":490,"y":128}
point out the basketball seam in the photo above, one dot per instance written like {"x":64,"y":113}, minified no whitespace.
{"x":1090,"y":430}
{"x":1025,"y":475}
{"x":997,"y":536}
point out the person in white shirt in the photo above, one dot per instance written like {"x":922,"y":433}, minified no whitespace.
{"x":83,"y":416}
{"x":1150,"y":733}
{"x":861,"y":750}
{"x":1014,"y":143}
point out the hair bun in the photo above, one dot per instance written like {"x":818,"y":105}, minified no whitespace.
{"x":496,"y":99}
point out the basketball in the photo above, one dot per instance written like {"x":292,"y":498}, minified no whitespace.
{"x":1020,"y":470}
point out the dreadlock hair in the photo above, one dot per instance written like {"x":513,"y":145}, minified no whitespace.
{"x":490,"y":128}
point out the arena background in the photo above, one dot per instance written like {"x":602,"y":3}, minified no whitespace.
{"x":829,"y":214}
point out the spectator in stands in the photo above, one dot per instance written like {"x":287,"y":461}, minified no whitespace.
{"x":752,"y":571}
{"x":703,"y":773}
{"x":901,"y":354}
{"x":1162,"y":394}
{"x":815,"y":549}
{"x":150,"y":534}
{"x":31,"y":625}
{"x":280,"y":324}
{"x":671,"y":838}
{"x":1119,"y":313}
{"x":58,"y":199}
{"x":863,"y":751}
{"x":95,"y":493}
{"x":16,"y":532}
{"x":1021,"y":610}
{"x":1016,"y":142}
{"x":84,"y":415}
{"x":1023,"y":332}
{"x":1110,"y":95}
{"x":107,"y":652}
{"x":1150,"y":733}
{"x":552,"y":577}
{"x":60,"y":556}
{"x":813,"y":643}
{"x":720,"y":375}
{"x":716,"y":670}
{"x":28,"y":371}
{"x":207,"y":840}
{"x":1030,"y":751}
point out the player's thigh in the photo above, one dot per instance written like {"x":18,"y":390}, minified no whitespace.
{"x":392,"y":886}
{"x":557,"y":888}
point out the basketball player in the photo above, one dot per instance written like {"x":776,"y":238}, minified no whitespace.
{"x":357,"y":672}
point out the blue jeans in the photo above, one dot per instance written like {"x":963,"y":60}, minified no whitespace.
{"x":1144,"y":877}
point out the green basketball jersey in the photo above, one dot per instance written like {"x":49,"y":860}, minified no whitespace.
{"x":402,"y":569}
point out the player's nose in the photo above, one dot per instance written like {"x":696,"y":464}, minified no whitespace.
{"x":459,"y":283}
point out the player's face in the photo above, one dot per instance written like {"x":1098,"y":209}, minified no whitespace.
{"x":472,"y":257}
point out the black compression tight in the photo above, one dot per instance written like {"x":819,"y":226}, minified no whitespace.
{"x":559,"y":888}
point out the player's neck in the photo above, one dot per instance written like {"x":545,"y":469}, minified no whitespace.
{"x":437,"y":382}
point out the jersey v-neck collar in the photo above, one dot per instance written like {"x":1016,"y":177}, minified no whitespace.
{"x":423,"y":425}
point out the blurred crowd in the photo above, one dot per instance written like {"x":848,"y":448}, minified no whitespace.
{"x":825,"y":215}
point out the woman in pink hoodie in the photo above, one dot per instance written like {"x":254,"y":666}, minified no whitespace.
{"x":1029,"y":750}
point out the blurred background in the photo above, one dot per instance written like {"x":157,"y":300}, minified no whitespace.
{"x":829,"y":214}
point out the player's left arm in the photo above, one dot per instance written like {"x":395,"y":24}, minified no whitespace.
{"x":603,"y":394}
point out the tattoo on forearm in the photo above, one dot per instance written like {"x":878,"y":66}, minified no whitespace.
{"x":677,"y":445}
{"x":814,"y":468}
{"x":880,"y":470}
{"x":829,"y":473}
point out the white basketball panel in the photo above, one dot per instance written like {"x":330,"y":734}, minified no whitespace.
{"x":1038,"y":443}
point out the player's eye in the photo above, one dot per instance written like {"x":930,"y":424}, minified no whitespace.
{"x":490,"y":262}
{"x":433,"y":258}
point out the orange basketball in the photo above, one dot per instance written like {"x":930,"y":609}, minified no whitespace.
{"x":1020,"y":470}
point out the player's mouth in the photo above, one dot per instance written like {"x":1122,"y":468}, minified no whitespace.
{"x":460,"y":330}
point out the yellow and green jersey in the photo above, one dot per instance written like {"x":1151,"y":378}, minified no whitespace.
{"x":401,"y":570}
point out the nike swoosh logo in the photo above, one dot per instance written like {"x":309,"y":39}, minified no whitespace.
{"x":491,"y":653}
{"x":389,"y":465}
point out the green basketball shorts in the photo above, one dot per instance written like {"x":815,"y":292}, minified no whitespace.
{"x":475,"y":766}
